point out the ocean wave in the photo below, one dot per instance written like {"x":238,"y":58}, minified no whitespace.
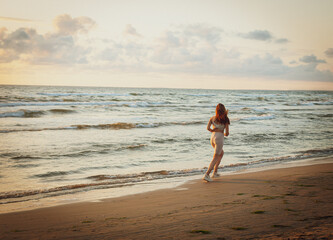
{"x":77,"y":154}
{"x":54,"y":174}
{"x":99,"y":182}
{"x":71,"y":102}
{"x":131,"y":103}
{"x":259,"y":137}
{"x":104,"y":181}
{"x":166,"y":140}
{"x":83,"y":94}
{"x":201,"y":95}
{"x":134,"y":146}
{"x":24,"y":113}
{"x":248,"y":110}
{"x":20,"y":157}
{"x":260,"y":95}
{"x":121,"y":125}
{"x":309,"y":103}
{"x":138,"y":94}
{"x":314,"y":153}
{"x":61,"y":111}
{"x":26,"y":165}
{"x":34,"y":129}
{"x":111,"y":148}
{"x":254,"y":118}
{"x":323,"y":103}
{"x":113,"y":126}
{"x":320,"y":152}
{"x":328,"y":115}
{"x":100,"y":94}
{"x":21,"y":194}
{"x":95,"y":149}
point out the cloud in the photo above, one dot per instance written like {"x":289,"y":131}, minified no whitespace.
{"x":16,"y":19}
{"x":202,"y":31}
{"x":131,"y":31}
{"x":261,"y":35}
{"x":329,"y":52}
{"x":199,"y":49}
{"x":272,"y":67}
{"x":27,"y":45}
{"x":186,"y":45}
{"x":311,"y":59}
{"x":282,"y":40}
{"x":108,"y":54}
{"x":308,"y":72}
{"x":193,"y":49}
{"x":266,"y":65}
{"x":67,"y":25}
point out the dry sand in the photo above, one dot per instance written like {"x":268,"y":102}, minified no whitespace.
{"x":294,"y":203}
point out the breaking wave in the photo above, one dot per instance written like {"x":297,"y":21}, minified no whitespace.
{"x":23,"y":113}
{"x":263,"y":117}
{"x":121,"y":125}
{"x":54,"y":174}
{"x":309,"y":103}
{"x":106,"y":126}
{"x":113,"y":126}
{"x":104,"y":181}
{"x":61,"y":111}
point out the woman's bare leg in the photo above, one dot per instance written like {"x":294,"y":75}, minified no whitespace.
{"x":212,"y":163}
{"x":216,"y":166}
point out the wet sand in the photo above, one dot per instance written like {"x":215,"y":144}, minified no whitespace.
{"x":294,"y":203}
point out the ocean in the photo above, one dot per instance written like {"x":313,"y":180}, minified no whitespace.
{"x":68,"y":144}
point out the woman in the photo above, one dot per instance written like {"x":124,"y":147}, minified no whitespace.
{"x":220,"y":123}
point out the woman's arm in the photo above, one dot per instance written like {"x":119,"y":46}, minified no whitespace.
{"x":212,"y":130}
{"x":209,"y":124}
{"x":226,"y":130}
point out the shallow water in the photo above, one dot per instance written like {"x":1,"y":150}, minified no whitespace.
{"x":65,"y":141}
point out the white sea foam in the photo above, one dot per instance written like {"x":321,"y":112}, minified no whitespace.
{"x":310,"y":103}
{"x":263,"y":117}
{"x":103,"y":181}
{"x":22,"y":113}
{"x":12,"y":114}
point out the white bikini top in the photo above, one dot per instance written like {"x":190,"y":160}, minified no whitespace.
{"x":218,"y":126}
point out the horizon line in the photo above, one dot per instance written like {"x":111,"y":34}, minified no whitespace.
{"x":87,"y":86}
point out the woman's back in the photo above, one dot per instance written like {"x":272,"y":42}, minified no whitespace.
{"x":217,"y":125}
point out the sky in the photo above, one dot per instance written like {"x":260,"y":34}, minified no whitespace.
{"x":209,"y":44}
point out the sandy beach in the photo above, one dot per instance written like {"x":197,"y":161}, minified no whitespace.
{"x":294,"y":203}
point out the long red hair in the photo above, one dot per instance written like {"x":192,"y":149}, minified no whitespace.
{"x":221,"y":114}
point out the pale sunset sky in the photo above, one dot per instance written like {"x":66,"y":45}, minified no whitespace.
{"x":213,"y":44}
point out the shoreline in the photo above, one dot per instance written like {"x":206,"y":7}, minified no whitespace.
{"x":281,"y":203}
{"x":141,"y":188}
